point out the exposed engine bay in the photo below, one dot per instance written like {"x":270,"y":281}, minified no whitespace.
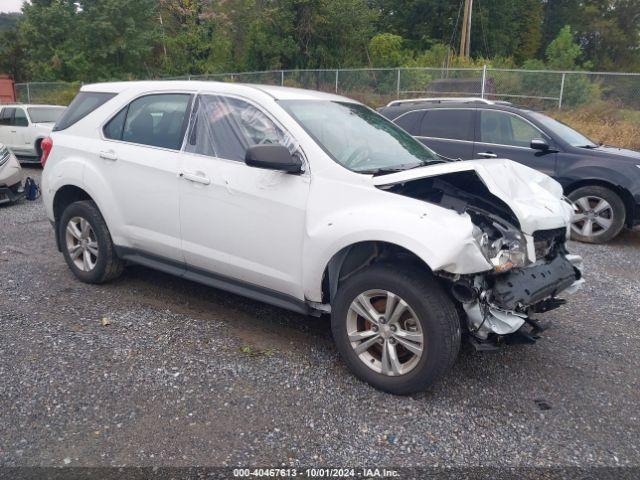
{"x":529,"y":271}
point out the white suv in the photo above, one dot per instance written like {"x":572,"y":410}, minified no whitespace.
{"x":314,"y":203}
{"x":23,"y":127}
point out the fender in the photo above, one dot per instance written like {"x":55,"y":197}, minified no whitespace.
{"x":584,"y":172}
{"x":441,"y":238}
{"x":77,"y":172}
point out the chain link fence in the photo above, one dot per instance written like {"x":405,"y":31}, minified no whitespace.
{"x":542,"y":89}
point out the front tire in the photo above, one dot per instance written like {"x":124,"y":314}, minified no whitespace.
{"x":600,"y":216}
{"x":395,"y":329}
{"x":86,"y":244}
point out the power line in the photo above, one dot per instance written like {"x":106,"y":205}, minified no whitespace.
{"x":484,"y":31}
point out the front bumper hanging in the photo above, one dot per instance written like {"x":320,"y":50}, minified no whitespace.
{"x":506,"y":306}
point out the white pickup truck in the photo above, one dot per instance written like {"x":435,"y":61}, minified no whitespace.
{"x":22,"y":128}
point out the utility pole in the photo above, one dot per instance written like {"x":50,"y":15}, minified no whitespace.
{"x":465,"y":38}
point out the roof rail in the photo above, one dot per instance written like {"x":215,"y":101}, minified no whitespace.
{"x":395,"y":103}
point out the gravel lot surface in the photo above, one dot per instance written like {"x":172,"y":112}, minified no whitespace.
{"x":152,"y":370}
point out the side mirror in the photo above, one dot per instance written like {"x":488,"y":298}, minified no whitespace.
{"x":273,"y":157}
{"x":539,"y":144}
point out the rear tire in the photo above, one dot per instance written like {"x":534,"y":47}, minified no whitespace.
{"x":424,"y":343}
{"x":601,"y":214}
{"x":86,"y":244}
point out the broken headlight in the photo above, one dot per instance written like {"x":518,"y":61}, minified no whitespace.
{"x":506,"y":250}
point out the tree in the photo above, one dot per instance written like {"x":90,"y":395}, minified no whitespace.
{"x":88,"y":40}
{"x":386,"y":50}
{"x":563,"y":52}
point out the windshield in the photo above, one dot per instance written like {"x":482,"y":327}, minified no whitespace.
{"x":563,"y":131}
{"x":358,"y":138}
{"x":45,"y":114}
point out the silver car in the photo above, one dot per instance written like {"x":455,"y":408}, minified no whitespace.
{"x":10,"y":176}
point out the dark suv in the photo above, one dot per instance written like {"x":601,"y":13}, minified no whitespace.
{"x":603,"y":181}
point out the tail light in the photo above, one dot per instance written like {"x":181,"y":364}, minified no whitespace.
{"x":46,"y":145}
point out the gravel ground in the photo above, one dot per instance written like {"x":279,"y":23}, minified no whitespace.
{"x":187,"y":375}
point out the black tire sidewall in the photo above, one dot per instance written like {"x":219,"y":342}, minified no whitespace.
{"x":619,"y":212}
{"x":435,"y":313}
{"x":89,"y":212}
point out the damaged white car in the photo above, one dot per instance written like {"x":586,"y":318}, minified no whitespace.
{"x":314,"y":203}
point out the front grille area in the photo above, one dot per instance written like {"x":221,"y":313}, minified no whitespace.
{"x":548,"y":242}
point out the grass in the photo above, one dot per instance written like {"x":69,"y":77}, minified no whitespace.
{"x":604,"y":123}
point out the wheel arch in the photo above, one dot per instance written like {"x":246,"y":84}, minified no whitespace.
{"x":359,"y":255}
{"x":65,"y":196}
{"x":627,"y":198}
{"x":37,"y":146}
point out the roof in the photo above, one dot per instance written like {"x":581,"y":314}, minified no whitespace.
{"x":399,"y":107}
{"x":30,"y":105}
{"x":277,"y":92}
{"x":396,"y":103}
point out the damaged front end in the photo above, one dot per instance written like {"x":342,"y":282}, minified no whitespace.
{"x":498,"y":305}
{"x":529,"y":266}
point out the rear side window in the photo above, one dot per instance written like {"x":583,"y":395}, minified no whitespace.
{"x":155,"y":120}
{"x":81,"y":106}
{"x":410,"y":122}
{"x":448,"y":124}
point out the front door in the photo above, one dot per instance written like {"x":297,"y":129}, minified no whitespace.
{"x":240,"y":222}
{"x":506,"y":135}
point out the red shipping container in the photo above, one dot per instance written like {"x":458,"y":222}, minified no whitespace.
{"x":7,"y":90}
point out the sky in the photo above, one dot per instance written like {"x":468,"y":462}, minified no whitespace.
{"x":10,"y":5}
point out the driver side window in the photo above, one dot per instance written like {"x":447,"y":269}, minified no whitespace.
{"x":226,"y":127}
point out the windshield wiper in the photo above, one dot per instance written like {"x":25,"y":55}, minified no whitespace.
{"x":590,"y":146}
{"x":383,"y":170}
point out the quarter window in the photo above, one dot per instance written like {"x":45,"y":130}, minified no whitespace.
{"x":449,"y":124}
{"x":506,"y":129}
{"x":80,"y":107}
{"x":226,"y":127}
{"x":154,"y":120}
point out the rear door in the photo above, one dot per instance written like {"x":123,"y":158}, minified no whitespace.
{"x":508,"y":135}
{"x":139,"y":158}
{"x":448,"y":131}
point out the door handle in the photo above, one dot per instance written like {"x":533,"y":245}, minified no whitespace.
{"x":14,"y":131}
{"x":488,"y":155}
{"x":110,"y":155}
{"x":194,"y":177}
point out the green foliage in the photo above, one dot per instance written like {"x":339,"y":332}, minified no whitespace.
{"x":563,"y":52}
{"x":385,"y":50}
{"x":8,"y":21}
{"x":91,"y":40}
{"x":87,"y":40}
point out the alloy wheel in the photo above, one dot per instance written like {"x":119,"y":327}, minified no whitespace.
{"x":82,"y":244}
{"x":594,"y":216}
{"x":385,"y":332}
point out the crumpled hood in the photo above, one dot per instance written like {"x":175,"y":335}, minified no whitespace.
{"x":535,"y":198}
